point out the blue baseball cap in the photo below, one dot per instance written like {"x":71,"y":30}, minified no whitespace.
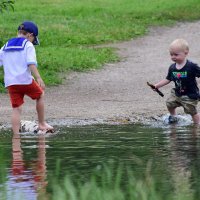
{"x":31,"y":28}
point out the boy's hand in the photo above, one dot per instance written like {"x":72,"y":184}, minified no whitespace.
{"x":37,"y":76}
{"x":40,"y":82}
{"x":153,"y":87}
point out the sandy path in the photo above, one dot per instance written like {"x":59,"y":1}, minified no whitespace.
{"x":118,"y":90}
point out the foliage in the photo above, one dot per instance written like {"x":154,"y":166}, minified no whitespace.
{"x":6,"y":5}
{"x":119,"y":183}
{"x":107,"y":183}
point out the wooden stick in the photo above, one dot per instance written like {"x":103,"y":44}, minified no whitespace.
{"x":155,"y":89}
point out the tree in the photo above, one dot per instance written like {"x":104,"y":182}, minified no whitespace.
{"x":6,"y":5}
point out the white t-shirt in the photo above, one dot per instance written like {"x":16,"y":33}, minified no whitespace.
{"x":15,"y":65}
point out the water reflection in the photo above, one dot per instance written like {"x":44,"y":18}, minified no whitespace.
{"x":183,"y":151}
{"x":27,"y":180}
{"x":173,"y":150}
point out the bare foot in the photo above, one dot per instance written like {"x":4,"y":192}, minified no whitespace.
{"x":46,"y":127}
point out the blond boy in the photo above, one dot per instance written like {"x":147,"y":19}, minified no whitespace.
{"x":183,"y":73}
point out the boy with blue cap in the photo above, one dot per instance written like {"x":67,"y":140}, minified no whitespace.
{"x":18,"y":58}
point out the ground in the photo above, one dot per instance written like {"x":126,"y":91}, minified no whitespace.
{"x":118,"y":92}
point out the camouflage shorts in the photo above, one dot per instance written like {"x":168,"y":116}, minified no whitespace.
{"x":189,"y":105}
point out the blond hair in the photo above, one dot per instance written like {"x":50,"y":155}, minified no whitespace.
{"x":180,"y":44}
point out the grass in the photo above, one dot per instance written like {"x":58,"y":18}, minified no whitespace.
{"x":111,"y":183}
{"x":70,"y":30}
{"x":108,"y":182}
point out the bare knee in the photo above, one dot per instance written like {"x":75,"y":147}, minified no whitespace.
{"x":196,"y":118}
{"x":171,"y":110}
{"x":17,"y":109}
{"x":41,"y":97}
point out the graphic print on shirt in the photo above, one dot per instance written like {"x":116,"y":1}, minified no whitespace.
{"x":178,"y":77}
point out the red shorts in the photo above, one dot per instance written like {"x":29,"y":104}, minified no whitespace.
{"x":17,"y":93}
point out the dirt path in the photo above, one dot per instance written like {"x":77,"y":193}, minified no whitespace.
{"x":119,"y":90}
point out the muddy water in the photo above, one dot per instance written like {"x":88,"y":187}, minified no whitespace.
{"x":172,"y":154}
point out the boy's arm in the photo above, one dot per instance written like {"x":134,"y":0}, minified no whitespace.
{"x":37,"y":76}
{"x":162,"y":83}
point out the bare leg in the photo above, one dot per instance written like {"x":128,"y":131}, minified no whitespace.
{"x":15,"y":120}
{"x":196,"y":118}
{"x":172,"y":111}
{"x":172,"y":119}
{"x":40,"y":111}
